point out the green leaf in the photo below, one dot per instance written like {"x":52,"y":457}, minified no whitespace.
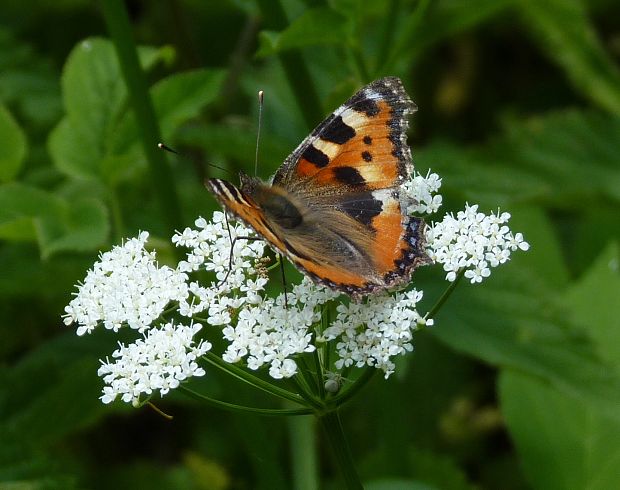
{"x":441,"y":20}
{"x":56,"y":382}
{"x":594,"y":302}
{"x":439,"y":471}
{"x":177,"y":99}
{"x":181,"y":97}
{"x":318,"y":26}
{"x":75,"y":149}
{"x":565,"y":158}
{"x":13,"y":147}
{"x":564,"y":443}
{"x":85,"y":227}
{"x":79,"y":225}
{"x":564,"y":31}
{"x":515,"y":321}
{"x":94,"y":96}
{"x":398,"y":484}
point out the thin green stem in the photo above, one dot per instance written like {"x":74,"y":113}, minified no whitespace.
{"x":233,"y":407}
{"x":118,"y":25}
{"x":250,"y":379}
{"x":309,"y":375}
{"x":305,"y":391}
{"x":319,"y":374}
{"x":330,"y":421}
{"x":446,"y":294}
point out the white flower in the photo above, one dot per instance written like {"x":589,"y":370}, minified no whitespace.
{"x":160,"y":361}
{"x":125,"y":286}
{"x":236,"y":282}
{"x":272,"y":332}
{"x":372,"y":333}
{"x":421,"y":190}
{"x":472,"y":241}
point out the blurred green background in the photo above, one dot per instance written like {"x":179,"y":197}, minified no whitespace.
{"x":518,"y":384}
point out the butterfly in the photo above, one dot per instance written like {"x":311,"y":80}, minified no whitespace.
{"x":335,"y":208}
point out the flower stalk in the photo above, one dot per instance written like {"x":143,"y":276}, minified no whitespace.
{"x":332,"y":428}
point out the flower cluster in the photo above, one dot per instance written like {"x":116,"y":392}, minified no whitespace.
{"x":160,"y":361}
{"x":372,"y":333}
{"x":274,"y":331}
{"x":422,"y":192}
{"x":125,"y":286}
{"x":472,"y":241}
{"x":239,"y":280}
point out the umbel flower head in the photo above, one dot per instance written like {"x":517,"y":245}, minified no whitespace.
{"x":128,"y":288}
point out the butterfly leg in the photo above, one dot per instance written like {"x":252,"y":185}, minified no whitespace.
{"x":232,"y":248}
{"x":231,"y":256}
{"x":283,"y":280}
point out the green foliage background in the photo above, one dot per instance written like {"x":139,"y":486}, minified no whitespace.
{"x":517,"y":386}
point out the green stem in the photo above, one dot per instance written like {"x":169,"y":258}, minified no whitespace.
{"x":117,"y":21}
{"x":303,"y":449}
{"x":446,"y":294}
{"x":233,"y":407}
{"x":330,"y":421}
{"x":250,"y":379}
{"x":320,"y":378}
{"x":305,"y":391}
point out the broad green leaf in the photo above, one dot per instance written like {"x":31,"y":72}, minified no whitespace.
{"x":546,"y":256}
{"x":57,"y":382}
{"x":318,"y":26}
{"x":18,"y":200}
{"x":177,"y":99}
{"x":564,"y":442}
{"x":565,"y":32}
{"x":79,"y":225}
{"x":440,"y":21}
{"x":95,"y":98}
{"x":515,"y":321}
{"x":594,"y":302}
{"x":85,"y":227}
{"x":75,"y":150}
{"x":438,"y":471}
{"x":28,"y":83}
{"x":565,"y":158}
{"x":398,"y":484}
{"x":183,"y":96}
{"x":13,"y":147}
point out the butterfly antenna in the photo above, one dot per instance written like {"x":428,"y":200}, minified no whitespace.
{"x":165,"y":147}
{"x":162,"y":146}
{"x":261,"y":96}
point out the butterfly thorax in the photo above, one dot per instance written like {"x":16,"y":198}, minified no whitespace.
{"x":277,"y":204}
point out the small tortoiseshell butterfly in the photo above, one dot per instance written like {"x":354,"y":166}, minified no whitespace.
{"x":335,"y":206}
